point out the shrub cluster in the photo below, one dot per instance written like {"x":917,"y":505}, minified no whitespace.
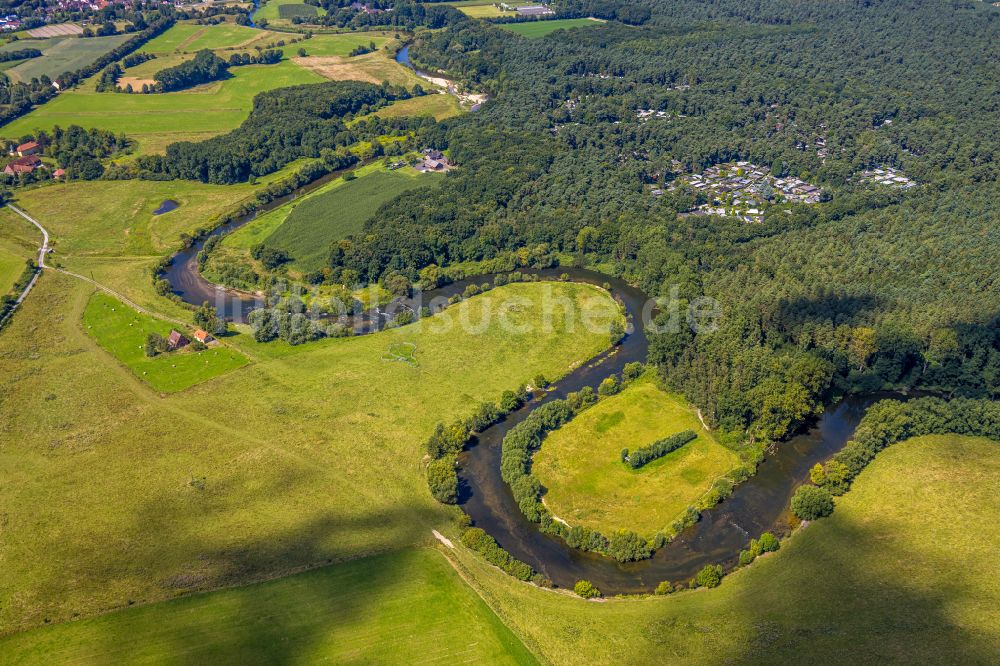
{"x":657,"y":449}
{"x":485,"y":545}
{"x":586,"y":589}
{"x":767,"y":543}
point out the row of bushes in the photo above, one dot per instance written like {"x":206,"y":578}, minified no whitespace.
{"x":481,"y":542}
{"x":888,"y":422}
{"x":657,"y":449}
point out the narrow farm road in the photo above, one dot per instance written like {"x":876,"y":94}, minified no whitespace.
{"x":44,"y":250}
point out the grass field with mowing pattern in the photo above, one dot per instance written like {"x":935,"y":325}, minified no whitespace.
{"x":338,"y":210}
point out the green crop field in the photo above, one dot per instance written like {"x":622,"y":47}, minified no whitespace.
{"x":19,"y":241}
{"x":537,"y":29}
{"x":61,"y":55}
{"x":902,"y":568}
{"x":587,"y":484}
{"x":296,"y":10}
{"x":360,"y":611}
{"x":298,"y":461}
{"x":157,"y":120}
{"x":190,"y":37}
{"x":121,"y":331}
{"x":338,"y":210}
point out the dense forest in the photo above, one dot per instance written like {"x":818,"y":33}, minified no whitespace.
{"x":877,"y":288}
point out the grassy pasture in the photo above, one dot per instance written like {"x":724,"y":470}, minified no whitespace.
{"x":156,"y":120}
{"x":360,"y":611}
{"x":337,"y":45}
{"x":121,"y":331}
{"x":106,"y":229}
{"x":19,"y":241}
{"x":309,"y":458}
{"x":588,"y":484}
{"x":372,"y":67}
{"x":900,"y":573}
{"x":338,"y":210}
{"x":481,"y":8}
{"x":538,"y":29}
{"x":438,"y":107}
{"x":282,"y":11}
{"x":61,"y":55}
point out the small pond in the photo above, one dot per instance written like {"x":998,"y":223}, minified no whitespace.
{"x":165,"y":207}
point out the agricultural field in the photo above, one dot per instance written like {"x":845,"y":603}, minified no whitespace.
{"x":155,"y":121}
{"x":301,"y":461}
{"x":482,"y":8}
{"x":106,"y":230}
{"x":158,"y":120}
{"x":587,"y":484}
{"x":440,"y":107}
{"x":60,"y":54}
{"x":19,"y":241}
{"x":538,"y":29}
{"x":338,"y":210}
{"x":896,"y":571}
{"x":371,"y":67}
{"x":122,"y":332}
{"x":190,"y":38}
{"x":360,"y":611}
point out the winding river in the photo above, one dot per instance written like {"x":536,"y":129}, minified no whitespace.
{"x":759,"y":504}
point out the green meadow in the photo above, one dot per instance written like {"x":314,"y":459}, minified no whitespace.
{"x":438,"y":107}
{"x":294,"y":461}
{"x":122,"y":332}
{"x":903,"y":567}
{"x":538,"y":29}
{"x":157,"y":120}
{"x":357,"y":612}
{"x":19,"y":241}
{"x":587,"y":484}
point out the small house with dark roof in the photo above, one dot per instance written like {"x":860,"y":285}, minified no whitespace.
{"x":176,"y":340}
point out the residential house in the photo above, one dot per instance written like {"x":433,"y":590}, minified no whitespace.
{"x":203,"y":337}
{"x":30,"y":148}
{"x":176,"y":340}
{"x":23,"y":165}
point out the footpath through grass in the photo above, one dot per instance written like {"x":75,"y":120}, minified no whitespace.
{"x":406,"y":607}
{"x":587,"y":484}
{"x":122,"y":332}
{"x":902,"y":572}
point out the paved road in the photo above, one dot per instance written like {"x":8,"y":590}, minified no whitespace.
{"x":44,"y":250}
